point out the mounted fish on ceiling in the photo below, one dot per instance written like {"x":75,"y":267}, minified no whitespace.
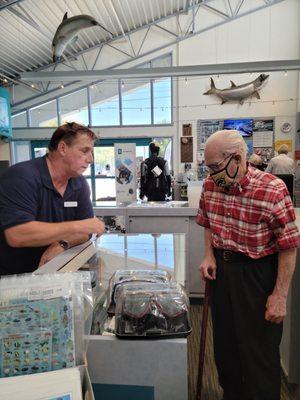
{"x":67,"y":31}
{"x":238,"y":92}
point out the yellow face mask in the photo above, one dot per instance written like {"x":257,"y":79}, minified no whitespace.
{"x":222,"y":178}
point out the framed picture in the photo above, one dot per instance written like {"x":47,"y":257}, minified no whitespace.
{"x":187,"y":130}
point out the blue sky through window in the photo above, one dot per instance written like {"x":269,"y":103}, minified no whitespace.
{"x":136,"y":104}
{"x":162,"y":101}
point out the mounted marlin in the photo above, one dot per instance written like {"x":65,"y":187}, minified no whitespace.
{"x":67,"y":31}
{"x":240,"y":92}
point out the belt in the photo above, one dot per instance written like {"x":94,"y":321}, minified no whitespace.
{"x":230,"y":256}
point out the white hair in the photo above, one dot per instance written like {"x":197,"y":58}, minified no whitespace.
{"x":230,"y":141}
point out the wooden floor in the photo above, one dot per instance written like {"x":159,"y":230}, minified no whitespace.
{"x":211,"y":389}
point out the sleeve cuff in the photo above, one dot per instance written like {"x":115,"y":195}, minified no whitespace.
{"x":200,"y":220}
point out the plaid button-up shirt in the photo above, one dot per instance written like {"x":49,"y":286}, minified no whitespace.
{"x":255,"y":217}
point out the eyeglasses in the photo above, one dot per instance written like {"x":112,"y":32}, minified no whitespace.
{"x":216,"y":167}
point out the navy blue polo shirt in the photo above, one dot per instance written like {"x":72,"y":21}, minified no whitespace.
{"x":27,"y":194}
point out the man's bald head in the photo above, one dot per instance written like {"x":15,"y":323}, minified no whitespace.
{"x":225,"y":142}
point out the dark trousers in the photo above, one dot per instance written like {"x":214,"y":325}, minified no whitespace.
{"x":246,"y":346}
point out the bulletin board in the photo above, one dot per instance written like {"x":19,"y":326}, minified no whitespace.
{"x":260,"y":142}
{"x":263,"y":139}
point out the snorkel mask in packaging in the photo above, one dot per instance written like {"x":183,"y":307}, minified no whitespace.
{"x":222,"y":178}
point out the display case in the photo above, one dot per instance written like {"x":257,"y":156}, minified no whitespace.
{"x":163,"y":217}
{"x":150,"y":369}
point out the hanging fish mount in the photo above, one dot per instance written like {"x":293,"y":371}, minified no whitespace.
{"x":238,"y":93}
{"x":67,"y":32}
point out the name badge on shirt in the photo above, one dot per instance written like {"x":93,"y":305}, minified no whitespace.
{"x":70,"y":204}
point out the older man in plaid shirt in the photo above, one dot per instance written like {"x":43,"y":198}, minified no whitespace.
{"x":250,"y":254}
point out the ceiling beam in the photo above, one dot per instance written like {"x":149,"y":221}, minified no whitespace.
{"x":8,"y":3}
{"x":185,"y":71}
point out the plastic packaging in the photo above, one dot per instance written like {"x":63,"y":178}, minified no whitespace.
{"x":43,"y":319}
{"x":152,"y":310}
{"x":122,"y":277}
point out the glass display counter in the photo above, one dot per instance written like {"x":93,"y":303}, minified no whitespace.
{"x":136,"y":369}
{"x":161,"y":217}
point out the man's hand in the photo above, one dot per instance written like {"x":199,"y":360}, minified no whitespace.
{"x":208,"y":268}
{"x":275,"y":308}
{"x":53,"y":250}
{"x":91,"y":225}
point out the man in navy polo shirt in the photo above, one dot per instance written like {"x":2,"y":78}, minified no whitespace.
{"x":45,"y":204}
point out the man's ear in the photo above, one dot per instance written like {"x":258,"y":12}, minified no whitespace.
{"x":62,"y":147}
{"x":237,"y":157}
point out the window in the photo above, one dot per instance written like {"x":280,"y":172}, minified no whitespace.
{"x":105,"y":110}
{"x":141,"y":247}
{"x":104,"y":167}
{"x":20,"y":151}
{"x":142,"y":102}
{"x":136,"y":103}
{"x":40,"y":151}
{"x":44,"y":116}
{"x":39,"y":148}
{"x":74,"y":108}
{"x":19,"y":120}
{"x":165,"y":252}
{"x":162,"y":103}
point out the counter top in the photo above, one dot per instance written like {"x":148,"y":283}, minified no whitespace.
{"x":151,"y":208}
{"x":141,"y":204}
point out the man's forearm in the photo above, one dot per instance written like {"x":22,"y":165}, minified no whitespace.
{"x":36,"y":234}
{"x":208,"y":249}
{"x":74,"y":240}
{"x":286,"y":267}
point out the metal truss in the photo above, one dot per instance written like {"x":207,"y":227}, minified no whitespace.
{"x":188,"y":24}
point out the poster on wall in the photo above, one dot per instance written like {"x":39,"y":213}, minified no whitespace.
{"x":263,"y":131}
{"x":287,"y":142}
{"x":205,"y":129}
{"x":125,"y":167}
{"x":263,"y":125}
{"x":263,"y":139}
